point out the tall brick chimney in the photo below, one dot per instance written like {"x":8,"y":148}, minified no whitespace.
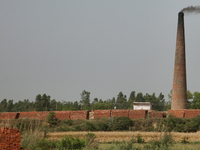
{"x":179,"y":92}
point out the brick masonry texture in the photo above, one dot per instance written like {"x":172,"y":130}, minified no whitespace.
{"x":192,"y":113}
{"x":179,"y":91}
{"x":34,"y":114}
{"x":9,"y":115}
{"x":62,"y":114}
{"x":102,"y":113}
{"x":136,"y":114}
{"x":185,"y":113}
{"x":154,"y":114}
{"x":74,"y":115}
{"x":9,"y":139}
{"x":177,"y":113}
{"x":119,"y":113}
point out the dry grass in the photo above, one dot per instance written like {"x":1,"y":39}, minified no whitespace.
{"x":120,"y":136}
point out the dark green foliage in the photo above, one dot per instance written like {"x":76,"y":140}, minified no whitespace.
{"x":89,"y":126}
{"x":181,"y":124}
{"x":163,"y":144}
{"x":85,"y":100}
{"x":102,"y":126}
{"x":139,"y":139}
{"x":90,"y":141}
{"x":78,"y":128}
{"x":42,"y":103}
{"x":70,"y":143}
{"x":51,"y":119}
{"x":44,"y":144}
{"x":69,"y":122}
{"x":122,"y":123}
{"x":185,"y":140}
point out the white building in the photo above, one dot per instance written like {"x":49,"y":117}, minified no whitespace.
{"x":142,"y":106}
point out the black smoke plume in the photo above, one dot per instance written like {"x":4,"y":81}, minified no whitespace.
{"x":191,"y":9}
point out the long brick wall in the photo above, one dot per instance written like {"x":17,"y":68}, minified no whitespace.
{"x":190,"y":113}
{"x":62,"y":115}
{"x":9,"y":139}
{"x":34,"y":114}
{"x":74,"y":115}
{"x":184,"y":113}
{"x":154,"y":114}
{"x":102,"y":113}
{"x":136,"y":114}
{"x":9,"y":115}
{"x":120,"y":112}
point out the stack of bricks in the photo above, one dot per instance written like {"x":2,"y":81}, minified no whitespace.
{"x":190,"y":113}
{"x":34,"y":114}
{"x":9,"y":115}
{"x":102,"y":113}
{"x":180,"y":113}
{"x":154,"y":114}
{"x":62,"y":115}
{"x":120,"y":112}
{"x":9,"y":139}
{"x":137,"y":114}
{"x":75,"y":115}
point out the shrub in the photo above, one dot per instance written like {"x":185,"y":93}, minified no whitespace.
{"x":68,"y":142}
{"x":102,"y":126}
{"x":51,"y":119}
{"x":44,"y":144}
{"x":90,"y":141}
{"x":139,"y":139}
{"x":184,"y":140}
{"x":89,"y":126}
{"x":68,"y":122}
{"x":163,"y":144}
{"x":122,"y":123}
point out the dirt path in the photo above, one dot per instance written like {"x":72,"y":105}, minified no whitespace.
{"x":120,"y":136}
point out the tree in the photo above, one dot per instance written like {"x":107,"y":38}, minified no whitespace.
{"x":10,"y":106}
{"x":51,"y":119}
{"x":195,"y":104}
{"x":85,"y":100}
{"x":139,"y":97}
{"x":3,"y":105}
{"x":132,"y":97}
{"x":42,"y":103}
{"x":121,"y":102}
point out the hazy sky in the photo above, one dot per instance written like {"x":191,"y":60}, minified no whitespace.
{"x":64,"y":47}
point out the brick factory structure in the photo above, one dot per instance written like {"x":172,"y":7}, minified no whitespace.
{"x":179,"y":92}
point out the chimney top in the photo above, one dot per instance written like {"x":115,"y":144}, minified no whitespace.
{"x":180,"y":14}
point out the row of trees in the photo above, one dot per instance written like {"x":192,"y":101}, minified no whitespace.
{"x":45,"y":103}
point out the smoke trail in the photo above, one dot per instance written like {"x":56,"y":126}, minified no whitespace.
{"x":191,"y":9}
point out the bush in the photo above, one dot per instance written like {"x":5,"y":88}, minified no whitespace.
{"x":122,"y":123}
{"x":139,"y":139}
{"x":44,"y":144}
{"x":69,"y":142}
{"x":51,"y":119}
{"x":163,"y":144}
{"x":90,"y":141}
{"x":89,"y":126}
{"x":102,"y":126}
{"x":68,"y":122}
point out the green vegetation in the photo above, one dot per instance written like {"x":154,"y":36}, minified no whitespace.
{"x":51,"y":119}
{"x":34,"y":133}
{"x":45,"y":103}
